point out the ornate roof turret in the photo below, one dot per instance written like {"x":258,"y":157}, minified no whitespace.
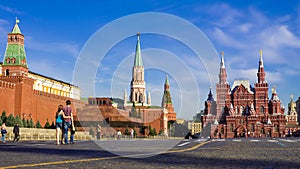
{"x":166,"y":100}
{"x":138,"y":56}
{"x":222,"y":60}
{"x":274,"y":94}
{"x":261,"y":75}
{"x":222,"y":74}
{"x":15,"y":52}
{"x":16,"y":28}
{"x":210,"y":96}
{"x":261,"y":62}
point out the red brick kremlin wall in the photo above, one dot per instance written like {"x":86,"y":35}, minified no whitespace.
{"x":7,"y":97}
{"x":17,"y":97}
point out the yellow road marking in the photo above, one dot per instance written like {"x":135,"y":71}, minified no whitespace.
{"x":102,"y":158}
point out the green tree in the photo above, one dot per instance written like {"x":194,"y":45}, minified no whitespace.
{"x":19,"y":121}
{"x":47,"y":125}
{"x":3,"y":116}
{"x":154,"y":132}
{"x":38,"y":125}
{"x":126,"y":132}
{"x":10,"y":121}
{"x":30,"y":123}
{"x":150,"y":131}
{"x":25,"y":124}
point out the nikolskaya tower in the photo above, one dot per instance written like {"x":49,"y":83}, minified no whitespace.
{"x":138,"y":85}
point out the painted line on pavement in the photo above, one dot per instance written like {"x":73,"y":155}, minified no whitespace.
{"x":180,"y":145}
{"x":103,"y":158}
{"x":236,"y":140}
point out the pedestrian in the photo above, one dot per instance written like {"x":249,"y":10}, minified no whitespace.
{"x":59,"y":124}
{"x":16,"y":131}
{"x":98,"y":132}
{"x":68,"y":120}
{"x":119,"y":134}
{"x":73,"y":130}
{"x":3,"y":132}
{"x":131,"y":133}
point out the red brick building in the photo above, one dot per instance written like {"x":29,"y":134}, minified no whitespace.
{"x":18,"y":94}
{"x":244,"y":110}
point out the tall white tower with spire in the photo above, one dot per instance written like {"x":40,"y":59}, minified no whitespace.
{"x":138,"y":84}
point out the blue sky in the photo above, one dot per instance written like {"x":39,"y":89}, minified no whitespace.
{"x":56,"y":31}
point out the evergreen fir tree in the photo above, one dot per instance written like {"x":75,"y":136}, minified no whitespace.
{"x":38,"y":125}
{"x":150,"y":131}
{"x":10,"y":121}
{"x":19,"y":121}
{"x":30,"y":123}
{"x":3,"y":116}
{"x":47,"y":125}
{"x":126,"y":131}
{"x":25,"y":124}
{"x":154,"y":132}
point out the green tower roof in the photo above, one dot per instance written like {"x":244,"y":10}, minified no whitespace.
{"x":167,"y":95}
{"x":15,"y":52}
{"x":167,"y":81}
{"x":16,"y":28}
{"x":138,"y":56}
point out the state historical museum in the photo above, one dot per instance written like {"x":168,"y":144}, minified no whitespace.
{"x":243,"y":110}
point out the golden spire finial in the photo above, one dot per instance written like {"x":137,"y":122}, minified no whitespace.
{"x":274,"y":89}
{"x":260,"y":53}
{"x":222,"y":53}
{"x":17,"y":20}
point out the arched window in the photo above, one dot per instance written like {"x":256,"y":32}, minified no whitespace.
{"x":262,"y":110}
{"x":7,"y":72}
{"x":241,"y":109}
{"x":252,"y":127}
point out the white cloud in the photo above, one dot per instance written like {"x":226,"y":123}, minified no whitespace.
{"x":60,"y":47}
{"x":10,"y":10}
{"x":226,"y":40}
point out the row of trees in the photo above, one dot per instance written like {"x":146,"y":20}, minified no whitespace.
{"x":11,"y":121}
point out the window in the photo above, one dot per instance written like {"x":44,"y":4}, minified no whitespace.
{"x":262,"y":110}
{"x":252,"y":127}
{"x":7,"y":72}
{"x":241,"y":109}
{"x":231,"y":127}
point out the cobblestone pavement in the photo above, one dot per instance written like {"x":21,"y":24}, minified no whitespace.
{"x":229,"y":153}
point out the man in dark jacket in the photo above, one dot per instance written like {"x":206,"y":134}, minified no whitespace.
{"x":16,"y":131}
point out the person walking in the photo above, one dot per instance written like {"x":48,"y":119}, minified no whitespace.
{"x":98,"y":132}
{"x":131,"y":133}
{"x":59,"y":124}
{"x":3,"y":132}
{"x":16,"y":131}
{"x":68,"y":118}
